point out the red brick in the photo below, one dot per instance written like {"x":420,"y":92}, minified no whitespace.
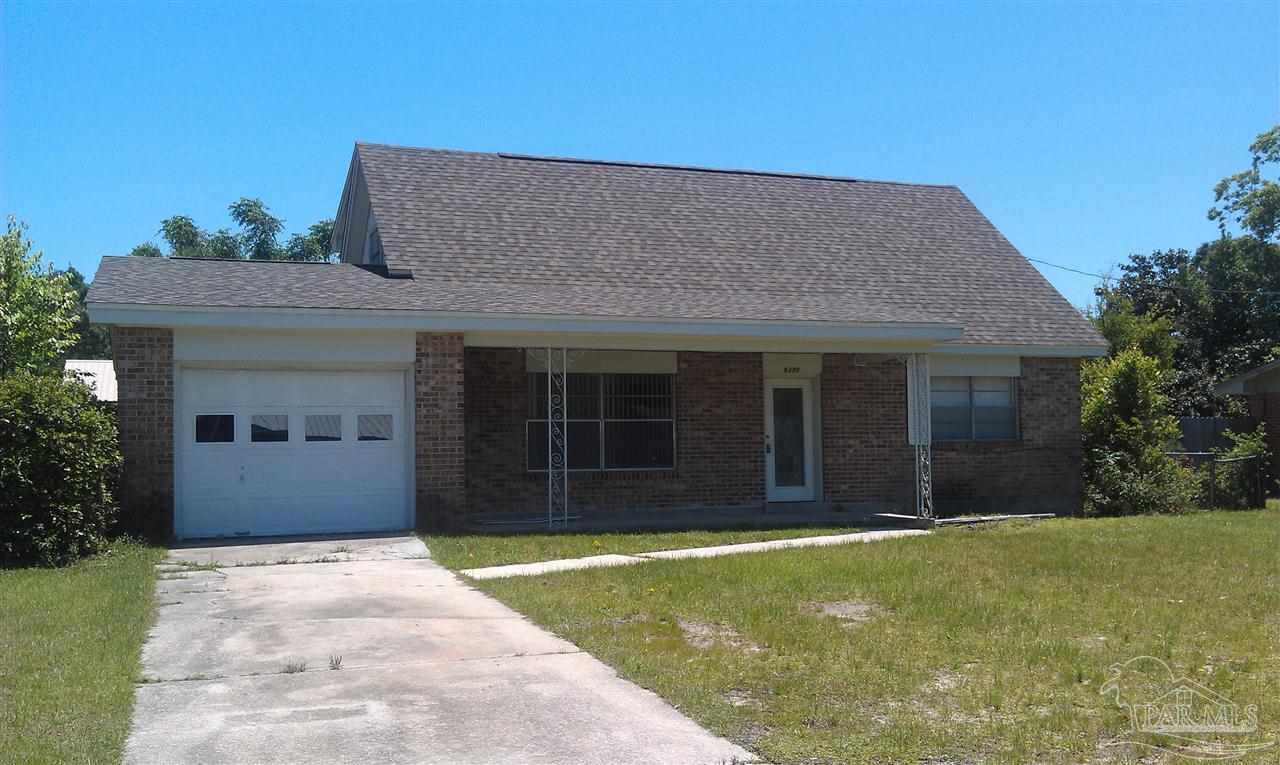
{"x":439,"y":430}
{"x":144,"y":377}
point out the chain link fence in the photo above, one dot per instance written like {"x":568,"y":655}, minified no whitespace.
{"x":1227,"y":482}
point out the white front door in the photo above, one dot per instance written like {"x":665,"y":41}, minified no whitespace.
{"x":269,"y":452}
{"x":788,"y":439}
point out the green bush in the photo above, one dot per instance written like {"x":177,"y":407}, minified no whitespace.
{"x":1241,"y":482}
{"x":57,"y":470}
{"x":1127,"y":431}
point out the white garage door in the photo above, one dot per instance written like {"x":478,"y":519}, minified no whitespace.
{"x":267,"y":452}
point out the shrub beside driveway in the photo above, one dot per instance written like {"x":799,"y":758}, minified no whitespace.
{"x":970,"y":645}
{"x":69,"y":649}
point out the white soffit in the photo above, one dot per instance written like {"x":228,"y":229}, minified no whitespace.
{"x":623,"y":362}
{"x":947,"y":365}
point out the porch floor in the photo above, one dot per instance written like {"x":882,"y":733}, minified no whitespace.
{"x":772,"y":515}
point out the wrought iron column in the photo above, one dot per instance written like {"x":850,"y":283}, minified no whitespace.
{"x":557,"y":436}
{"x":920,"y":431}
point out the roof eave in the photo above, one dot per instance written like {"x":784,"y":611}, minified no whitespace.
{"x":457,"y":321}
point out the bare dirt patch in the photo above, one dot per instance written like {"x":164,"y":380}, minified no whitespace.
{"x":852,"y":612}
{"x":706,"y":635}
{"x":751,"y":732}
{"x":740,"y":697}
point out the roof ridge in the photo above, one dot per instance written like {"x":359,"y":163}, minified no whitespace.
{"x":246,"y":260}
{"x":653,"y":165}
{"x":221,"y":260}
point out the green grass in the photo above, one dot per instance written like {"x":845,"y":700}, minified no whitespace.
{"x":477,"y":550}
{"x":988,"y":645}
{"x":69,"y":652}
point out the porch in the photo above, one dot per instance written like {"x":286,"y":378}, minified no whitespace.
{"x":685,"y":439}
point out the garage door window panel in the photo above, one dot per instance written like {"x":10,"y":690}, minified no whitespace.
{"x":323,"y":427}
{"x":215,"y":428}
{"x":269,"y":428}
{"x":373,"y":427}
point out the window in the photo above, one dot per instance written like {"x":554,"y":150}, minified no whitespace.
{"x":973,"y":408}
{"x":616,"y":421}
{"x":215,"y":428}
{"x":269,"y":428}
{"x":323,"y":427}
{"x":373,"y":427}
{"x":373,"y":248}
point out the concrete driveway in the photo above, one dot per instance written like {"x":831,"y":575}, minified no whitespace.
{"x":237,"y":670}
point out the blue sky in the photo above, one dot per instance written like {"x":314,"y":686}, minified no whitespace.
{"x":1085,"y":132}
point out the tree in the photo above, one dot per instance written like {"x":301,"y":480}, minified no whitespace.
{"x":146,"y":250}
{"x":1222,"y":305}
{"x":37,"y":306}
{"x":1248,"y":198}
{"x":185,"y":238}
{"x":1127,"y":430}
{"x":257,"y":239}
{"x":94,"y":341}
{"x":260,"y":227}
{"x":1114,"y":316}
{"x":313,"y":245}
{"x":223,"y":244}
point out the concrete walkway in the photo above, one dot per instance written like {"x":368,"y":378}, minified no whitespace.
{"x":602,"y":561}
{"x":243,"y":666}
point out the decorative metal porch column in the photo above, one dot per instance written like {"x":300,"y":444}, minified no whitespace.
{"x":919,"y":430}
{"x":557,"y":436}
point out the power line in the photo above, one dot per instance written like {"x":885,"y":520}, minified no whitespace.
{"x":1267,"y":293}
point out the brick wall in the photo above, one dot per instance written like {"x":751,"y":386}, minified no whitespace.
{"x":719,"y":440}
{"x":1040,"y":472}
{"x":144,"y":374}
{"x":439,"y":430}
{"x":866,"y":462}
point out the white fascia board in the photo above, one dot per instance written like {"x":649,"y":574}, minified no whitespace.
{"x":516,"y":324}
{"x":1028,"y":351}
{"x":704,"y":342}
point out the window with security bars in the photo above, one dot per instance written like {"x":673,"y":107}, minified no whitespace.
{"x":973,"y":408}
{"x":615,"y":421}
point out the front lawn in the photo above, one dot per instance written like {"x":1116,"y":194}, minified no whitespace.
{"x":970,"y":645}
{"x":478,"y":550}
{"x":69,"y":650}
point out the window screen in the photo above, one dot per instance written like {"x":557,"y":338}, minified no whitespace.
{"x":616,"y":421}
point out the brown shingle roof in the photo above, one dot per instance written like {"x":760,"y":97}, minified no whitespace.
{"x":512,"y":234}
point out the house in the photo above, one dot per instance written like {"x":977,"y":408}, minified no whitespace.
{"x":98,"y":374}
{"x":1260,"y":387}
{"x":521,"y":336}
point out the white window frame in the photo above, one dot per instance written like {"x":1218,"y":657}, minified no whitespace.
{"x":973,"y":429}
{"x":235,"y":423}
{"x":601,"y":421}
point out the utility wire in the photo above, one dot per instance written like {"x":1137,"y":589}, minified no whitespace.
{"x":1268,"y":293}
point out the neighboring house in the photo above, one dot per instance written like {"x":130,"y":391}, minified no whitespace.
{"x":100,"y":374}
{"x":736,"y":339}
{"x":1261,"y":389}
